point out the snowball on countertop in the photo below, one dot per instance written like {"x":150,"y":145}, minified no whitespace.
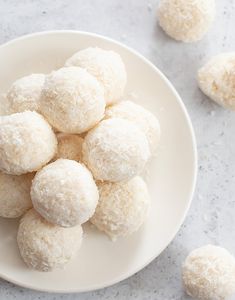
{"x":24,"y":94}
{"x":15,"y":194}
{"x":143,"y":118}
{"x":209,"y":273}
{"x":122,"y":207}
{"x":115,"y":150}
{"x":64,"y":193}
{"x":69,"y":147}
{"x":72,"y":100}
{"x":107,"y":66}
{"x":27,"y":143}
{"x":186,"y":20}
{"x":216,"y":79}
{"x":44,"y":246}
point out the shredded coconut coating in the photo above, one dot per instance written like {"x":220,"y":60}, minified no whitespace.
{"x":186,"y":20}
{"x":216,"y":79}
{"x":72,"y":100}
{"x":24,"y":94}
{"x":44,"y":246}
{"x":142,"y":118}
{"x":65,"y":193}
{"x":122,"y":207}
{"x":209,"y":273}
{"x":69,"y":147}
{"x":115,"y":150}
{"x":107,"y":66}
{"x":27,"y":143}
{"x":15,"y":195}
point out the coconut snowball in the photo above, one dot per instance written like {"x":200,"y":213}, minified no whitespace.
{"x":144,"y":119}
{"x":44,"y":246}
{"x":122,"y":207}
{"x":216,"y":79}
{"x":64,"y":193}
{"x":69,"y":147}
{"x":115,"y":150}
{"x":186,"y":20}
{"x":72,"y":100}
{"x":107,"y":66}
{"x":15,"y":195}
{"x":27,"y":142}
{"x":209,"y":273}
{"x":24,"y":94}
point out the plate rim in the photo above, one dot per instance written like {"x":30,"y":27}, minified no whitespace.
{"x":194,"y":162}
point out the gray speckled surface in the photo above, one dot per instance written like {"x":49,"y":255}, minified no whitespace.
{"x":133,"y":22}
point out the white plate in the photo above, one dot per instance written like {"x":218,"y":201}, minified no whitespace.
{"x":172,"y":175}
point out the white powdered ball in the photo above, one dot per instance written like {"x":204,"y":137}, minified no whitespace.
{"x":27,"y":143}
{"x":209,"y":273}
{"x":69,"y":147}
{"x":142,"y":118}
{"x":122,"y":207}
{"x":24,"y":94}
{"x":44,"y":246}
{"x":107,"y":66}
{"x":216,"y":79}
{"x":186,"y":20}
{"x":64,"y":193}
{"x":15,"y":195}
{"x":72,"y":100}
{"x":115,"y":150}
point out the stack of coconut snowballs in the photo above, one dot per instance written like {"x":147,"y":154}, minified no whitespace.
{"x":71,"y":151}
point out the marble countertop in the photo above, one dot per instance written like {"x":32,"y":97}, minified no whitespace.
{"x":133,"y":22}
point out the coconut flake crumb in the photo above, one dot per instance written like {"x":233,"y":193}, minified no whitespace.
{"x":150,"y":7}
{"x":212,"y":113}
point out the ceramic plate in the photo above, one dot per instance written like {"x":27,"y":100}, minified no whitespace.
{"x":171,"y":177}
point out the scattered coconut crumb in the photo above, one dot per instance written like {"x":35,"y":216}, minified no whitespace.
{"x":149,"y":7}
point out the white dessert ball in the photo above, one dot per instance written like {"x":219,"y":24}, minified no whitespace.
{"x":186,"y":20}
{"x":25,"y":93}
{"x":115,"y":150}
{"x":69,"y":147}
{"x":142,"y":118}
{"x":209,"y":273}
{"x":15,"y":195}
{"x":122,"y":207}
{"x":64,"y":193}
{"x":44,"y":246}
{"x":216,"y":79}
{"x":27,"y":143}
{"x":107,"y":66}
{"x":72,"y":100}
